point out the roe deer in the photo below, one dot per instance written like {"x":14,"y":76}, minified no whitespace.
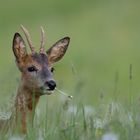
{"x":36,"y":76}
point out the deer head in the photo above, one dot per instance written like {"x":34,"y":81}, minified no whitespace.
{"x":37,"y":67}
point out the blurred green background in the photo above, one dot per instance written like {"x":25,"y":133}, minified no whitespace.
{"x":105,"y":40}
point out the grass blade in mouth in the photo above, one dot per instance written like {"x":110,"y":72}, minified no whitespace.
{"x":65,"y":94}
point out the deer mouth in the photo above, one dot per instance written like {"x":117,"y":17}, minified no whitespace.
{"x":48,"y":87}
{"x":46,"y":91}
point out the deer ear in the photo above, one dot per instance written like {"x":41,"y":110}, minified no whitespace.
{"x":19,"y":48}
{"x":57,"y":51}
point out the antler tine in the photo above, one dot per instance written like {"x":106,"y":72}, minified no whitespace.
{"x":42,"y":49}
{"x":27,"y":35}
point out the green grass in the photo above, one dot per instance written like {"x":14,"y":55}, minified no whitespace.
{"x":70,"y":120}
{"x":95,"y":70}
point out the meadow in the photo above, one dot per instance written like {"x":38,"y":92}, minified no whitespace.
{"x":101,"y":68}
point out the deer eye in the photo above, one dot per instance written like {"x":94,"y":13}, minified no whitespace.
{"x":52,"y":69}
{"x":32,"y":69}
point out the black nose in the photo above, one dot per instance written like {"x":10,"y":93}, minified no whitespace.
{"x":51,"y":84}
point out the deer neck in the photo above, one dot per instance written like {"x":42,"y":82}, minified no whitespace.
{"x":26,"y":101}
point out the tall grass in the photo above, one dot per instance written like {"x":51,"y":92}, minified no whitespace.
{"x":70,"y":120}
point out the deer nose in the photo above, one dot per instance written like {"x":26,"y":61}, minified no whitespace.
{"x":51,"y":84}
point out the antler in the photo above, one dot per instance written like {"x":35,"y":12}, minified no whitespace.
{"x":42,"y":49}
{"x":28,"y":38}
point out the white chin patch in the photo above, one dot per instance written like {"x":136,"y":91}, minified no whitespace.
{"x":47,"y":92}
